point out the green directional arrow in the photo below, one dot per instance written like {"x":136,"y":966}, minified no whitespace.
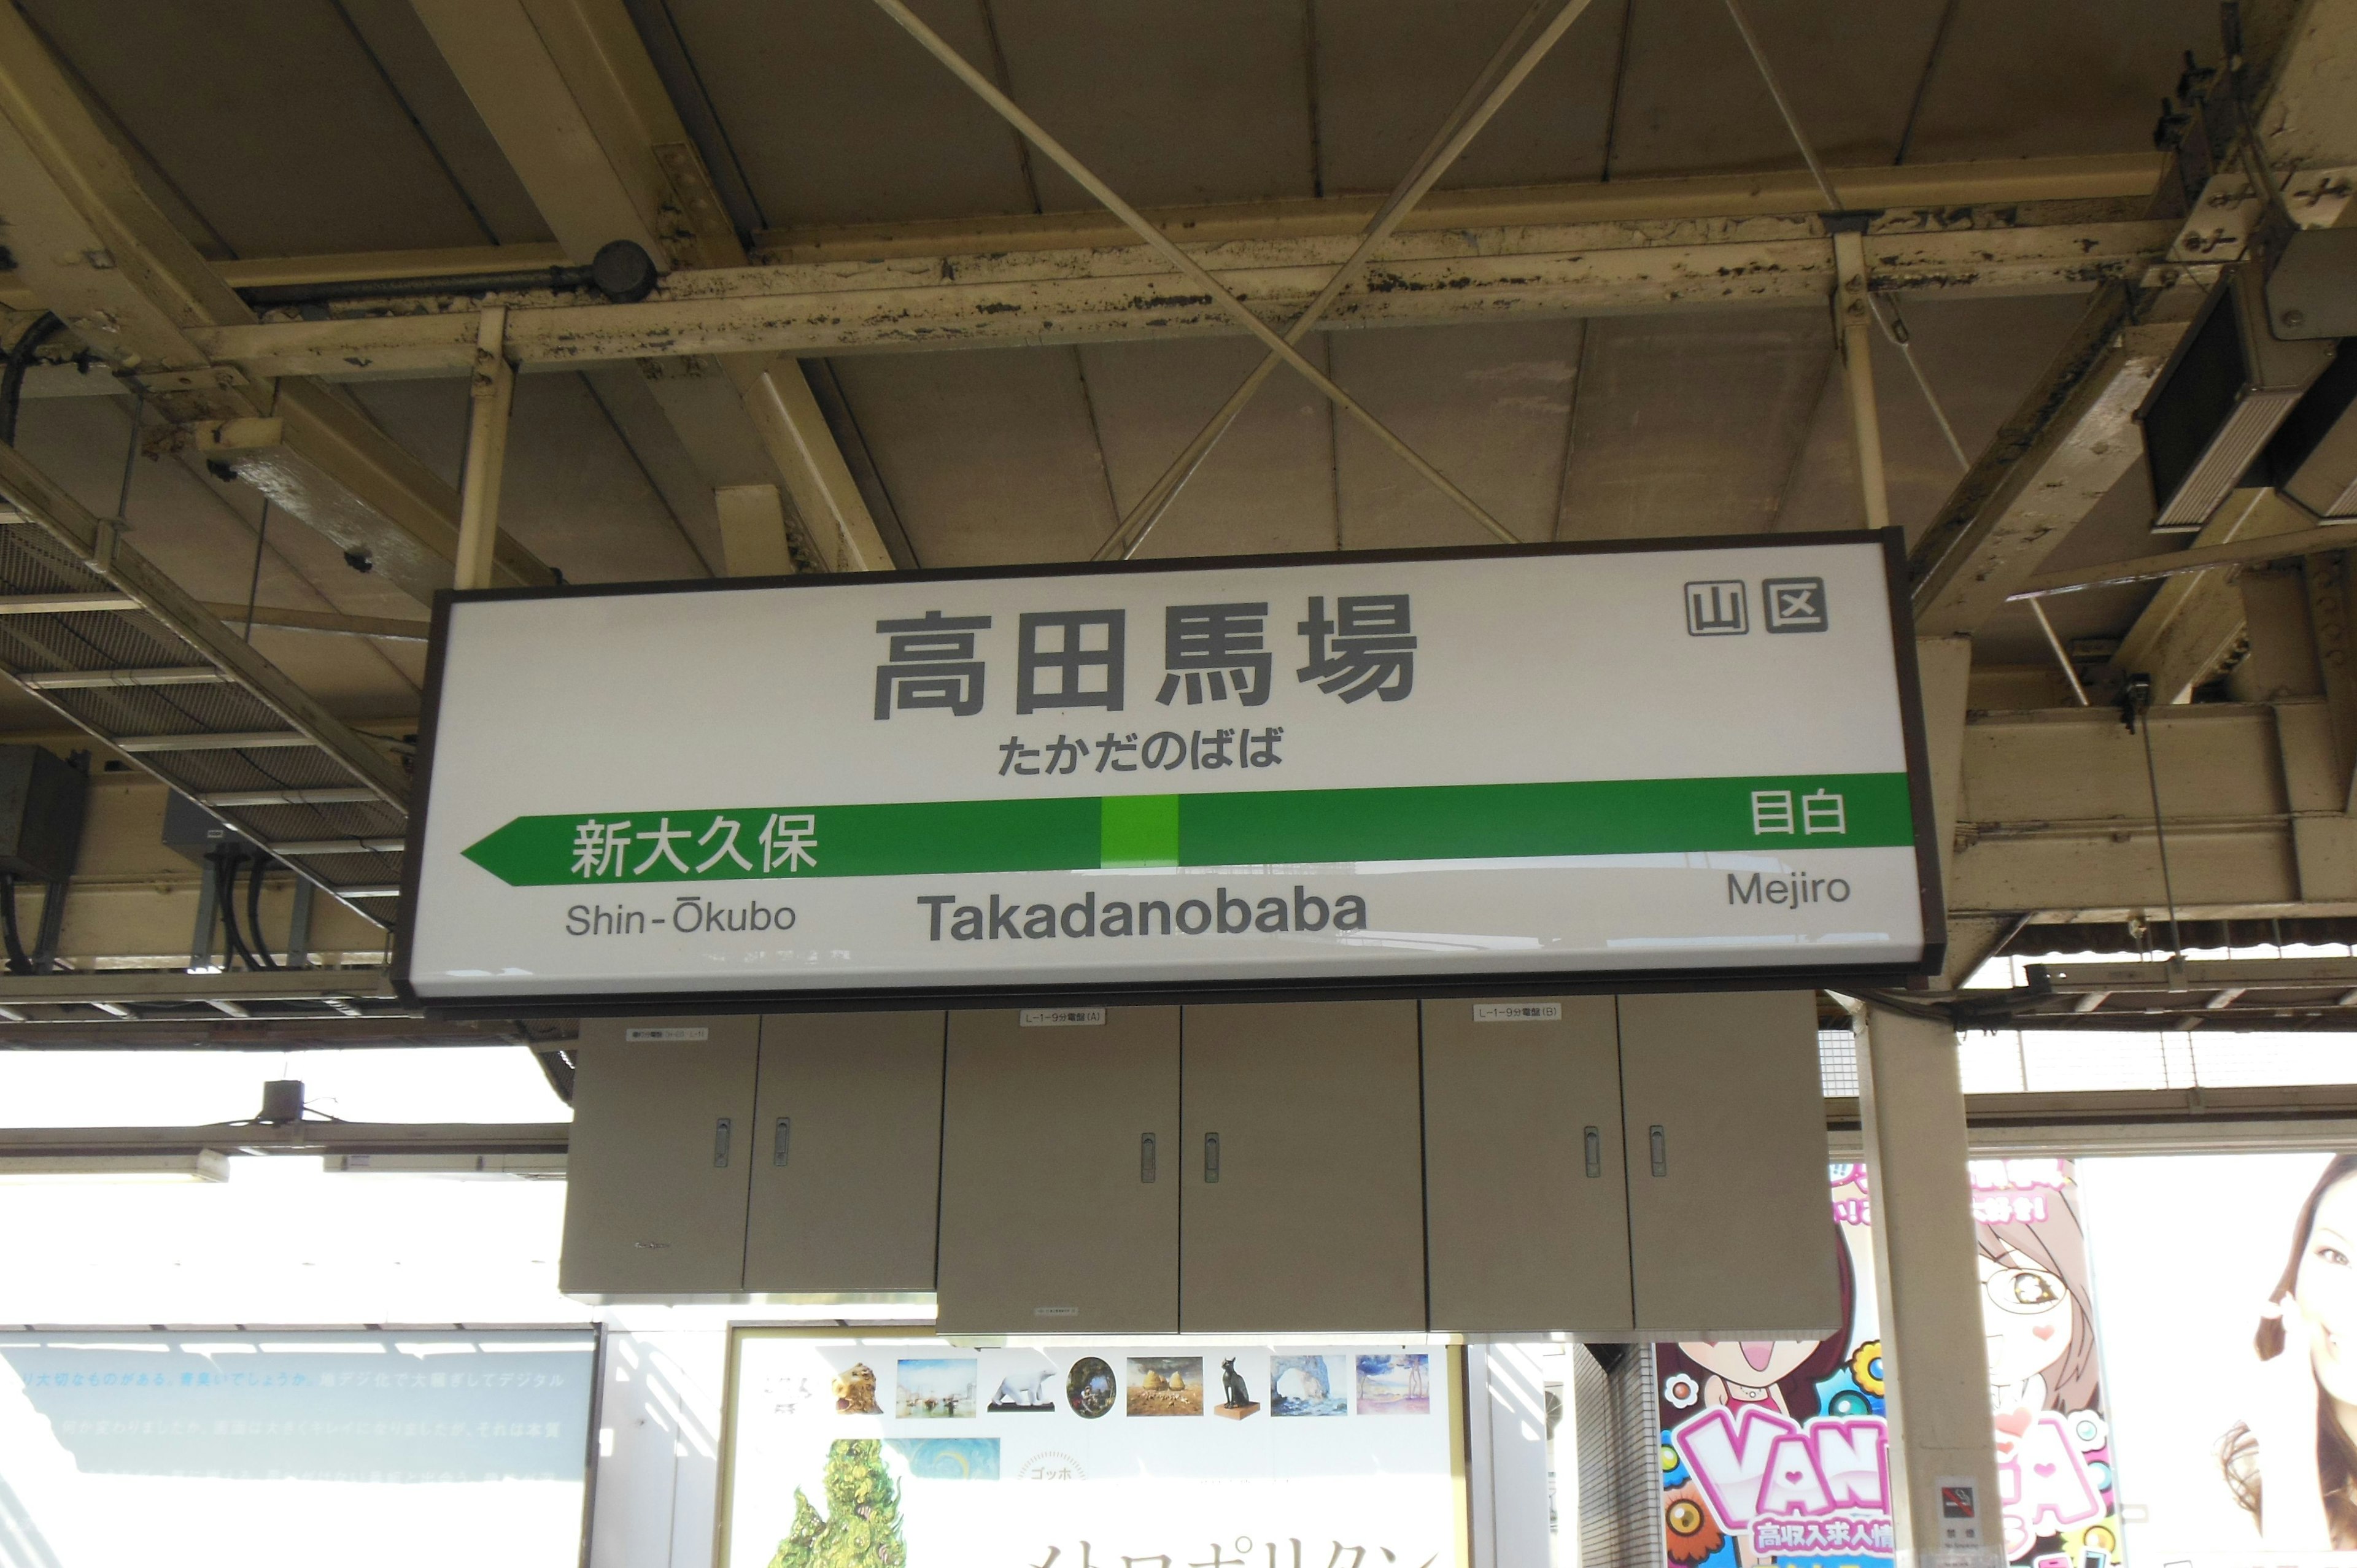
{"x":1285,"y":827}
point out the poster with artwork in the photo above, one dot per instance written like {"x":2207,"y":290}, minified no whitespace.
{"x":1775,"y":1451}
{"x":884,"y":1451}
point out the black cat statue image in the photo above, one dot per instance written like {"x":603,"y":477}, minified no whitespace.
{"x":1239,"y":1403}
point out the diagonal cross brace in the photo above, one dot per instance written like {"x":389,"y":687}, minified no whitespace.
{"x":1186,"y":265}
{"x":1514,"y":60}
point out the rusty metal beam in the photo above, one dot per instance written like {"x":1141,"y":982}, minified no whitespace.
{"x":986,"y":300}
{"x":2064,"y":447}
{"x":93,"y":247}
{"x":2113,"y":177}
{"x":578,"y":108}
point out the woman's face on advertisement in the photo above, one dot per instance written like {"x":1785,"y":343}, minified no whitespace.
{"x":2026,"y":1311}
{"x":2326,"y":1290}
{"x":1754,"y":1363}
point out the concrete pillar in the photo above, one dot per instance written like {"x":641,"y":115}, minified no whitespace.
{"x":1934,"y":1345}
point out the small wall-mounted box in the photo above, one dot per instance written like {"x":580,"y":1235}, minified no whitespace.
{"x":42,"y":797}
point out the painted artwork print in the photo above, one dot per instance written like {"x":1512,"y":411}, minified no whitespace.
{"x":1398,"y":1384}
{"x":1775,"y":1451}
{"x":941,"y":1390}
{"x":861,"y":1522}
{"x":948,"y":1458}
{"x":1166,"y":1385}
{"x":1307,"y":1385}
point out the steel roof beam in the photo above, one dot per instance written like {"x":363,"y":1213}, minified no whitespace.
{"x":569,"y":93}
{"x":2074,"y":436}
{"x":93,"y":247}
{"x":1107,"y":294}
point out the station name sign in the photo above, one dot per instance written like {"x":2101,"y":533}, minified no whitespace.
{"x":1409,"y":771}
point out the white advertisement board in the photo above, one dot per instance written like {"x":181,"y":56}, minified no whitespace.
{"x":1306,"y":773}
{"x":879,"y":1450}
{"x":288,"y":1448}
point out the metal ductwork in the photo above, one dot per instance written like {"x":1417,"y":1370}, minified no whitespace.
{"x":2313,"y":458}
{"x":2219,"y":399}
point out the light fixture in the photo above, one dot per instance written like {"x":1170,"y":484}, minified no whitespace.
{"x":202,"y":1165}
{"x":529,"y":1167}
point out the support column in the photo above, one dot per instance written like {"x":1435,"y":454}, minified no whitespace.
{"x":1854,"y":314}
{"x":487,"y":452}
{"x":1934,"y":1349}
{"x":1926,"y":1276}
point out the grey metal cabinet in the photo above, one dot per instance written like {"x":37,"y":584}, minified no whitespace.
{"x":846,"y":1154}
{"x":1060,"y":1174}
{"x":655,"y":1189}
{"x":1526,"y":1198}
{"x":1730,"y":1228}
{"x":1303,"y":1163}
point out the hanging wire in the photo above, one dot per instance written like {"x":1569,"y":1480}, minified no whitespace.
{"x":2061,"y":654}
{"x":2140,"y":697}
{"x":1784,"y":105}
{"x":1893,"y":329}
{"x":253,"y":587}
{"x":130,"y":458}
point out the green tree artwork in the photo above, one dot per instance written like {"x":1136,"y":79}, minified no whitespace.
{"x":862,"y":1527}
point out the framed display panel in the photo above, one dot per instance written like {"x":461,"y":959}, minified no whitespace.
{"x":850,"y":1448}
{"x":257,"y":1447}
{"x":1401,"y":773}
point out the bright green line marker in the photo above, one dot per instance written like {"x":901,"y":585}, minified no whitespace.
{"x":1140,"y":830}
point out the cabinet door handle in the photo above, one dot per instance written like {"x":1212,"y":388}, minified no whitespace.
{"x":1661,"y":1150}
{"x":1146,"y":1157}
{"x":720,"y":1131}
{"x":1210,"y":1156}
{"x":778,"y":1143}
{"x":1595,"y":1140}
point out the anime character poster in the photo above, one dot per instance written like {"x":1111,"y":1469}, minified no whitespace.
{"x":1775,"y":1451}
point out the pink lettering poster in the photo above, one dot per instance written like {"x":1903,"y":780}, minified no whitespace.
{"x":1775,"y":1451}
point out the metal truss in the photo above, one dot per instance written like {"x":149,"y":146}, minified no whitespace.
{"x":95,"y":632}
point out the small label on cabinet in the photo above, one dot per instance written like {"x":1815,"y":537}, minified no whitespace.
{"x":1055,"y":1311}
{"x":635,"y":1037}
{"x":1516,"y":1011}
{"x":1061,"y":1018}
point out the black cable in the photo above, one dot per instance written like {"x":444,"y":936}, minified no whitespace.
{"x":253,"y":587}
{"x":253,"y":911}
{"x":229,"y":910}
{"x":20,"y":360}
{"x":225,"y":890}
{"x":18,"y":963}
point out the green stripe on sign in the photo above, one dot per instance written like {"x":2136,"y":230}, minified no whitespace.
{"x":1139,"y":830}
{"x":1489,"y":821}
{"x":1458,"y":822}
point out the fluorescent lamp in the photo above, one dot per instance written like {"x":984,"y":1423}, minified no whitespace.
{"x":205,"y":1164}
{"x":532,"y":1167}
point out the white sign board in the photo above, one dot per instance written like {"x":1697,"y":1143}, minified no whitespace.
{"x":1508,"y":766}
{"x":916,"y":1451}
